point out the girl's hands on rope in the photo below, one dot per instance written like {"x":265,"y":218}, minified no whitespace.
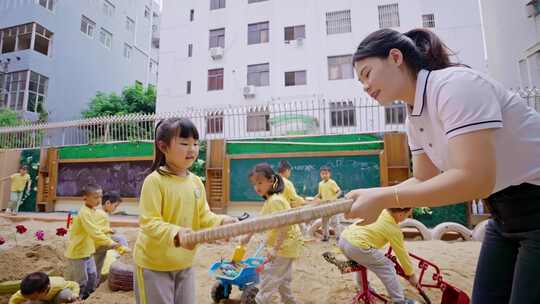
{"x":368,"y":204}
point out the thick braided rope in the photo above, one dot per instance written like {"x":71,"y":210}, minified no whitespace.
{"x":271,"y":221}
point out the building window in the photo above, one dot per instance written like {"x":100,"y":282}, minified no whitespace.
{"x":13,"y":86}
{"x":127,"y":51}
{"x":48,"y":4}
{"x":254,"y":1}
{"x":192,"y":15}
{"x":395,"y":114}
{"x":105,"y":37}
{"x":217,"y":4}
{"x":342,"y":114}
{"x":88,"y":26}
{"x":217,"y":38}
{"x":153,"y":66}
{"x":190,"y":50}
{"x":295,"y":78}
{"x":428,"y":20}
{"x":295,"y":32}
{"x":19,"y":38}
{"x":258,"y":75}
{"x":188,"y":87}
{"x":533,"y":61}
{"x":37,"y":92}
{"x":108,"y":8}
{"x":215,"y":79}
{"x":258,"y":32}
{"x":130,"y":25}
{"x":258,"y":120}
{"x":524,"y":72}
{"x":147,"y":12}
{"x":338,"y":22}
{"x":388,"y":15}
{"x":214,"y":123}
{"x":340,"y":67}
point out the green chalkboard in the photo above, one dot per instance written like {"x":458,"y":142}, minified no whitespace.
{"x":349,"y":172}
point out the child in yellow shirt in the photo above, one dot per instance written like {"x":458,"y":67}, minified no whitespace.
{"x":173,"y":203}
{"x":361,"y":244}
{"x":289,"y":192}
{"x":20,"y":184}
{"x":82,"y":237}
{"x":328,"y":191}
{"x":285,"y":244}
{"x":37,"y":287}
{"x":110,"y":202}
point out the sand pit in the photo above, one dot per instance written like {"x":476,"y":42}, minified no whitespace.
{"x":314,"y":280}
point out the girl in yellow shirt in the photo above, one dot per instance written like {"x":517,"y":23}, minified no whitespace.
{"x":285,"y":243}
{"x":173,"y":203}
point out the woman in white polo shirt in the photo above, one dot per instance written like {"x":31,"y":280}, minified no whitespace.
{"x":470,"y":138}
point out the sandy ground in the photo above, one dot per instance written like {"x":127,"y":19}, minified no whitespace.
{"x":314,"y":280}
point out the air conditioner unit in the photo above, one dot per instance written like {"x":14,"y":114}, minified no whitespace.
{"x":533,"y":8}
{"x":249,"y":91}
{"x":216,"y":52}
{"x":299,"y":41}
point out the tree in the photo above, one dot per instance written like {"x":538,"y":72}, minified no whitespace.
{"x":134,"y":99}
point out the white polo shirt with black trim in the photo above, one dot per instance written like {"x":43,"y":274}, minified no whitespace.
{"x":458,"y":100}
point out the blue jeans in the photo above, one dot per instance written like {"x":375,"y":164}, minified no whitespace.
{"x":508,"y":269}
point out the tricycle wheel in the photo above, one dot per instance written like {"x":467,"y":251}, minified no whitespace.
{"x":248,"y":295}
{"x":218,"y":292}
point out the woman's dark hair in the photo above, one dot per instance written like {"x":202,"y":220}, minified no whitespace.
{"x":34,"y":283}
{"x":284,"y":166}
{"x":166,"y":130}
{"x":265,"y":170}
{"x":421,"y":48}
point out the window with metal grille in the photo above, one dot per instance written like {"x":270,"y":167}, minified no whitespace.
{"x":388,"y":15}
{"x":295,"y":78}
{"x":217,"y":4}
{"x":87,"y":26}
{"x":215,"y":79}
{"x":258,"y":120}
{"x":37,"y":91}
{"x":258,"y":75}
{"x":342,"y":114}
{"x":338,"y":22}
{"x":340,"y":67}
{"x":258,"y":32}
{"x":395,"y":114}
{"x":428,"y":20}
{"x":217,"y":38}
{"x":295,"y":32}
{"x":214,"y":123}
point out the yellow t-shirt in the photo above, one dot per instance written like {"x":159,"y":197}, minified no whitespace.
{"x":84,"y":234}
{"x":290,"y":194}
{"x":57,"y":285}
{"x":293,"y":243}
{"x":102,"y":221}
{"x":376,"y":235}
{"x":18,"y":182}
{"x":169,"y":202}
{"x":328,"y":190}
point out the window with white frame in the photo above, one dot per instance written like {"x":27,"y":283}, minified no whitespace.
{"x":48,"y":4}
{"x":258,"y":75}
{"x":108,"y":8}
{"x":388,"y":15}
{"x":217,"y":4}
{"x":37,"y":92}
{"x":258,"y":120}
{"x":191,"y":15}
{"x":295,"y":32}
{"x":340,"y":67}
{"x":214,"y":122}
{"x":19,"y":38}
{"x":188,"y":87}
{"x":215,"y":79}
{"x":130,"y":25}
{"x":217,"y":38}
{"x":395,"y":113}
{"x":258,"y":32}
{"x":14,"y":85}
{"x":428,"y":20}
{"x":338,"y":22}
{"x":295,"y":78}
{"x":128,"y":49}
{"x":147,"y":12}
{"x":190,"y":50}
{"x":105,"y":37}
{"x":342,"y":114}
{"x":87,"y":26}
